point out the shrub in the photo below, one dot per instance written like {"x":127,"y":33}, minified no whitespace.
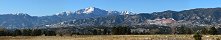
{"x":197,"y":36}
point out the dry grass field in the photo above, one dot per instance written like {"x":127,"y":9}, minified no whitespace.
{"x":111,"y":37}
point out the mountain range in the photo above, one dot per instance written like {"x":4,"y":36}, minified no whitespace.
{"x":93,"y":16}
{"x":24,"y":20}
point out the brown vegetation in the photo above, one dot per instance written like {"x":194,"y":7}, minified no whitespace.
{"x":111,"y":37}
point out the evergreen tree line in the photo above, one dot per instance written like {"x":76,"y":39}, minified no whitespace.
{"x":119,"y":30}
{"x":27,"y":32}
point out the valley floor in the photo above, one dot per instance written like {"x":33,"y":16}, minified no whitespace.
{"x":111,"y":37}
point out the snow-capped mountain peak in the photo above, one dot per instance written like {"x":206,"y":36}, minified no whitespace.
{"x":89,"y":10}
{"x":86,"y":11}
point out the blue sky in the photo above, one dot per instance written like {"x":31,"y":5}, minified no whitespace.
{"x":50,"y":7}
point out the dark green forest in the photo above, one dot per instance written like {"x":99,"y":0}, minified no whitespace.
{"x":117,"y":30}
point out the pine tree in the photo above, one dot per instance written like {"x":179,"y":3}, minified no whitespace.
{"x":181,"y":30}
{"x":114,"y":31}
{"x":105,"y":31}
{"x":26,"y":32}
{"x":204,"y":30}
{"x":188,"y":31}
{"x":50,"y":33}
{"x":37,"y":32}
{"x":212,"y":31}
{"x":2,"y":32}
{"x":17,"y":32}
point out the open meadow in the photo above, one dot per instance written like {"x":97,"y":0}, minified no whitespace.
{"x":111,"y":37}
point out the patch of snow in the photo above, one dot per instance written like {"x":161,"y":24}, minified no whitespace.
{"x":126,"y":13}
{"x":89,"y":10}
{"x":47,"y":25}
{"x":65,"y":13}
